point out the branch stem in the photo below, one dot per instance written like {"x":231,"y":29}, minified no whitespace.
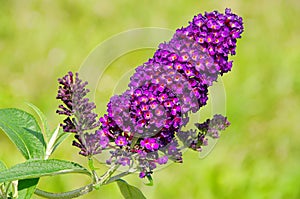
{"x":103,"y":180}
{"x":70,"y":194}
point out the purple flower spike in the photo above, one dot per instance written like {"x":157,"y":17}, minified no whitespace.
{"x":79,"y":112}
{"x":72,"y":93}
{"x":143,"y":125}
{"x":172,"y":84}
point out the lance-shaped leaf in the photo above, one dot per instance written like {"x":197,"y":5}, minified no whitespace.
{"x":39,"y":168}
{"x":128,"y":191}
{"x":58,"y":136}
{"x":24,"y":132}
{"x":26,"y":188}
{"x":45,"y":126}
{"x":2,"y":166}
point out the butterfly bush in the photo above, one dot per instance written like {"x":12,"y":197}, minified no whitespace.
{"x":143,"y":126}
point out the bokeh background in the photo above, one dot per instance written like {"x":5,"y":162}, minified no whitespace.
{"x":259,"y":154}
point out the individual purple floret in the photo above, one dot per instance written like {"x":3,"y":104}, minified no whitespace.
{"x":121,"y":141}
{"x":150,"y":144}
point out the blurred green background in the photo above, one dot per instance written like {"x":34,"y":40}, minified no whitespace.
{"x":259,"y":154}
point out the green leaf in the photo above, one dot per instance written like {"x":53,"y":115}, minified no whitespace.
{"x":2,"y":166}
{"x":128,"y":191}
{"x":46,"y":130}
{"x":24,"y":132}
{"x":58,"y":136}
{"x":26,"y":188}
{"x":62,"y":137}
{"x":39,"y":168}
{"x":2,"y":186}
{"x":50,"y":144}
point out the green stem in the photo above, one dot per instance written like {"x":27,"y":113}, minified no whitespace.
{"x":105,"y":177}
{"x":103,"y":180}
{"x":70,"y":194}
{"x":15,"y":189}
{"x":2,"y":192}
{"x":134,"y":141}
{"x":93,"y":169}
{"x":119,"y":176}
{"x":7,"y":190}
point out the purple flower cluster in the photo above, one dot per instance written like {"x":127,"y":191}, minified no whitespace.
{"x":142,"y":126}
{"x":212,"y":127}
{"x":195,"y":139}
{"x":79,"y":110}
